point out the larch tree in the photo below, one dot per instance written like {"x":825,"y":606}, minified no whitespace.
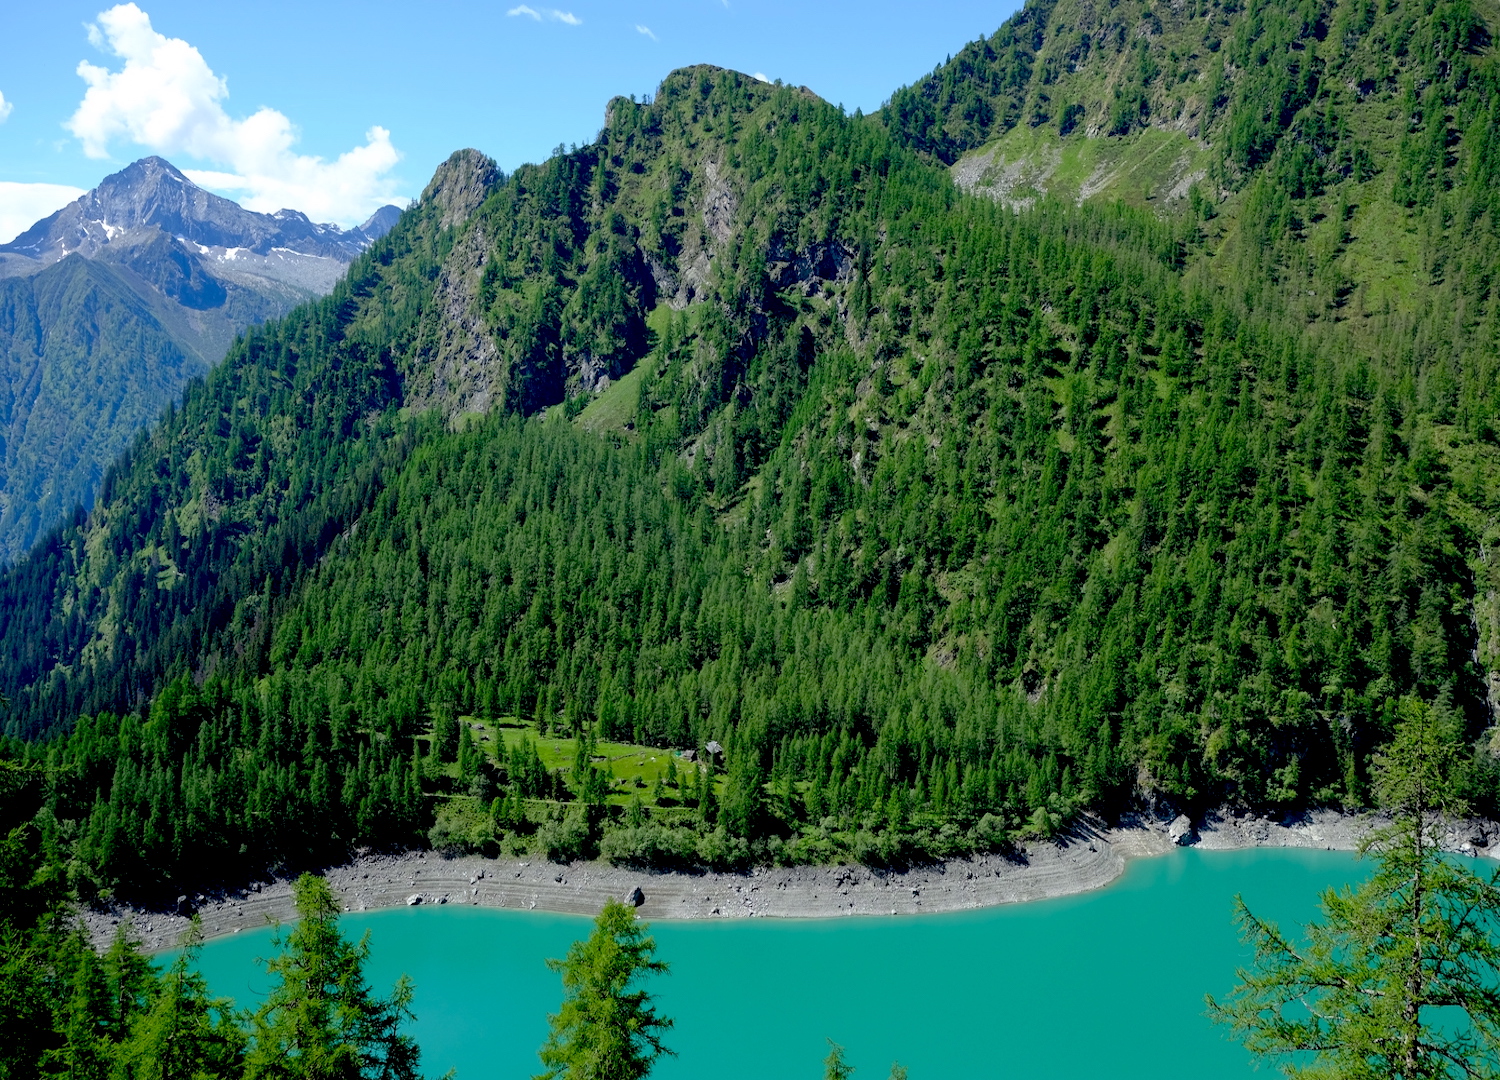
{"x":834,"y":1065}
{"x":1400,"y":979}
{"x":836,"y":1068}
{"x":608,"y":1027}
{"x":184,"y":1031}
{"x":321,"y":1021}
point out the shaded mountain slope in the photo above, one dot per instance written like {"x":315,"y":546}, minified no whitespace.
{"x":74,"y":325}
{"x":122,"y":297}
{"x":743,"y":424}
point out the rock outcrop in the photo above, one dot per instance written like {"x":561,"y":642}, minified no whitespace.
{"x":460,"y":184}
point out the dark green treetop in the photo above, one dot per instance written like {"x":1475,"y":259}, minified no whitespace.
{"x":183,"y":1031}
{"x":321,"y":1021}
{"x":607,"y":1028}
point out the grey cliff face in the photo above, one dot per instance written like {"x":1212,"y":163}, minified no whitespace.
{"x":460,"y":184}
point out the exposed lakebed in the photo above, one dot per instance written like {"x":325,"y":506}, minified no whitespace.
{"x":1106,"y":983}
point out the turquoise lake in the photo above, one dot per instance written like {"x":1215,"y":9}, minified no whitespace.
{"x":1105,"y":984}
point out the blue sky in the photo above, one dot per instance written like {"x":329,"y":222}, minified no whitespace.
{"x":337,"y":108}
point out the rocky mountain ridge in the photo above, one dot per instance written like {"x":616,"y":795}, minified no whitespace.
{"x":150,"y":211}
{"x":113,"y":303}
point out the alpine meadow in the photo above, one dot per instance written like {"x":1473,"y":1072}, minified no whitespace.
{"x":1112,"y":419}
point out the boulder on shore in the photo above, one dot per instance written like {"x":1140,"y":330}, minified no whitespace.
{"x":414,"y":899}
{"x":1181,"y":831}
{"x":636,"y":897}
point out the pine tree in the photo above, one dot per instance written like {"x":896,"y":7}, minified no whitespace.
{"x":320,"y":1021}
{"x":607,"y":1028}
{"x":1401,"y":978}
{"x":470,"y":758}
{"x":834,"y":1065}
{"x":184,"y":1032}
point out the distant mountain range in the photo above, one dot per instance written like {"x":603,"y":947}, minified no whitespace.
{"x":109,"y":306}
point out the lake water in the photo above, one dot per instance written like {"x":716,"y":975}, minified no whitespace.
{"x":1105,"y":984}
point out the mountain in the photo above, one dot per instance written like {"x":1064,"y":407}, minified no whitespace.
{"x":152,"y":196}
{"x":1332,"y":131}
{"x":947,"y":517}
{"x":114,"y":303}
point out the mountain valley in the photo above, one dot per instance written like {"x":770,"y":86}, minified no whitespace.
{"x":1156,"y":471}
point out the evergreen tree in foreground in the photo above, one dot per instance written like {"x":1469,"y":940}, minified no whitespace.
{"x":834,"y":1065}
{"x":67,"y":1010}
{"x":836,"y":1068}
{"x":606,"y":1029}
{"x":184,"y":1031}
{"x":321,"y":1021}
{"x":1401,"y":978}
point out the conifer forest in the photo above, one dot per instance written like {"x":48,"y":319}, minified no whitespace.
{"x":945,"y":515}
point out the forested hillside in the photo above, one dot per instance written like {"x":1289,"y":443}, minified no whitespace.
{"x":110,"y":306}
{"x":743,"y":424}
{"x":74,"y":325}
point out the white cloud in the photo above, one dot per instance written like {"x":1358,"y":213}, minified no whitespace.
{"x":23,"y":205}
{"x":639,"y":29}
{"x":5,"y":109}
{"x":167,"y":99}
{"x":762,"y":76}
{"x":551,"y":13}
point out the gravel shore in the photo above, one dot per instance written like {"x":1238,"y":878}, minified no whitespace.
{"x":1088,"y":859}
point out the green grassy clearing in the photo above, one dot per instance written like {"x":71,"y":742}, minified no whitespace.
{"x":1146,"y":168}
{"x":614,"y":409}
{"x":634,"y":768}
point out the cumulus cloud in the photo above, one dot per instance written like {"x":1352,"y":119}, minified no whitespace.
{"x":639,"y":29}
{"x":167,"y":99}
{"x":5,"y":108}
{"x":23,"y":205}
{"x":762,"y":76}
{"x":551,"y":13}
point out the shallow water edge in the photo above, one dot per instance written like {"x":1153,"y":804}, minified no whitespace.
{"x":1109,"y":982}
{"x":1091,"y":857}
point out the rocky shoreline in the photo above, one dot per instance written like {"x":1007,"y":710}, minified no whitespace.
{"x":1089,"y":858}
